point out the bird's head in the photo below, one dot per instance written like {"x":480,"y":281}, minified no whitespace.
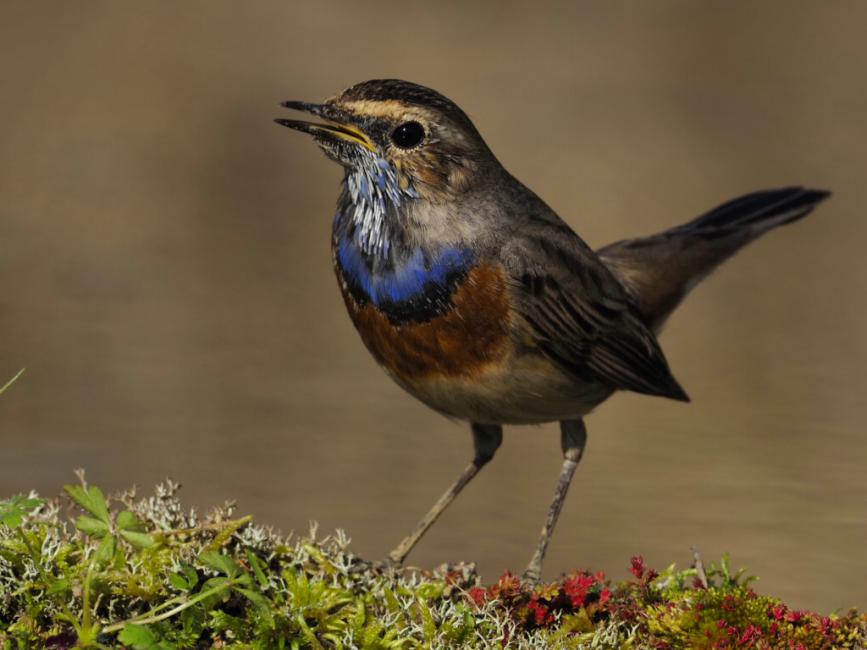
{"x":397,"y":138}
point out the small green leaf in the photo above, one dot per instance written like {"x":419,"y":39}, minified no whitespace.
{"x":431,"y":590}
{"x":223,"y":590}
{"x":179,"y":582}
{"x":126,"y":520}
{"x":58,"y":587}
{"x":359,"y":618}
{"x":190,"y":573}
{"x":141,"y":637}
{"x":193,"y":620}
{"x":220,"y":563}
{"x":139,"y":540}
{"x":428,"y":625}
{"x":185,"y":579}
{"x":105,"y":551}
{"x":91,"y":499}
{"x":372,"y":634}
{"x":262,"y":605}
{"x":93,"y":527}
{"x":469,"y":624}
{"x":391,"y":601}
{"x":256,"y":565}
{"x":310,"y":637}
{"x":13,"y":511}
{"x":137,"y":636}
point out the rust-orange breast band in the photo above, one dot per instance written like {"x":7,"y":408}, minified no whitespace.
{"x":458,"y":343}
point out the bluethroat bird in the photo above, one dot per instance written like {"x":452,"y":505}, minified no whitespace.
{"x":478,"y":300}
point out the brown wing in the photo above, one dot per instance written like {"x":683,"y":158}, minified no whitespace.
{"x":580,"y":316}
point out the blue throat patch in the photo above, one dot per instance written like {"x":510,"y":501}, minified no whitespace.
{"x":406,"y":284}
{"x":415,"y":289}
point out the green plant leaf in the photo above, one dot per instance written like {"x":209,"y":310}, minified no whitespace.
{"x":58,"y":587}
{"x":220,"y":563}
{"x":262,"y":605}
{"x":141,"y":637}
{"x":256,"y":564}
{"x":428,"y":624}
{"x":93,"y":527}
{"x":11,"y":381}
{"x":126,"y":520}
{"x":138,"y":636}
{"x":185,"y":579}
{"x":193,"y":620}
{"x":222,"y":592}
{"x":190,"y":574}
{"x":391,"y":600}
{"x":13,"y":511}
{"x":105,"y":551}
{"x":91,"y":499}
{"x":138,"y":540}
{"x":178,"y":581}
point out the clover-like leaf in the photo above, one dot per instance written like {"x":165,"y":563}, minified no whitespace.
{"x":185,"y":579}
{"x":13,"y":511}
{"x":91,"y":499}
{"x":126,"y":520}
{"x":137,"y":539}
{"x":93,"y":527}
{"x":220,"y":563}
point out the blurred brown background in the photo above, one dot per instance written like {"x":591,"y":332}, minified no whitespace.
{"x":165,"y":273}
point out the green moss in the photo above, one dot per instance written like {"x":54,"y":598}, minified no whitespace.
{"x":148,"y":574}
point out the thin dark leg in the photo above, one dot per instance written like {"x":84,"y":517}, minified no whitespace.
{"x":573,"y":439}
{"x":486,"y":440}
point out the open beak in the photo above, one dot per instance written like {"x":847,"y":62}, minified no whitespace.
{"x":337,"y":125}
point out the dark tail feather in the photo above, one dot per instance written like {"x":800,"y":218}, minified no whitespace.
{"x":658,"y":271}
{"x":763,"y":210}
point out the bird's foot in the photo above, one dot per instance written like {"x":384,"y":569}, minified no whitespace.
{"x":388,"y":563}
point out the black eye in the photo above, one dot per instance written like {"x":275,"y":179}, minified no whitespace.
{"x":407,"y":135}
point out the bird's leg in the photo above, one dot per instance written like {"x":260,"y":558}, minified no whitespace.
{"x":573,"y":438}
{"x":486,"y":440}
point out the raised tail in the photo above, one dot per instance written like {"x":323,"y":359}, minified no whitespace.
{"x":658,"y":271}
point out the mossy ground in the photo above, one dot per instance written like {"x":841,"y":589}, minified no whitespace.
{"x":149,"y":574}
